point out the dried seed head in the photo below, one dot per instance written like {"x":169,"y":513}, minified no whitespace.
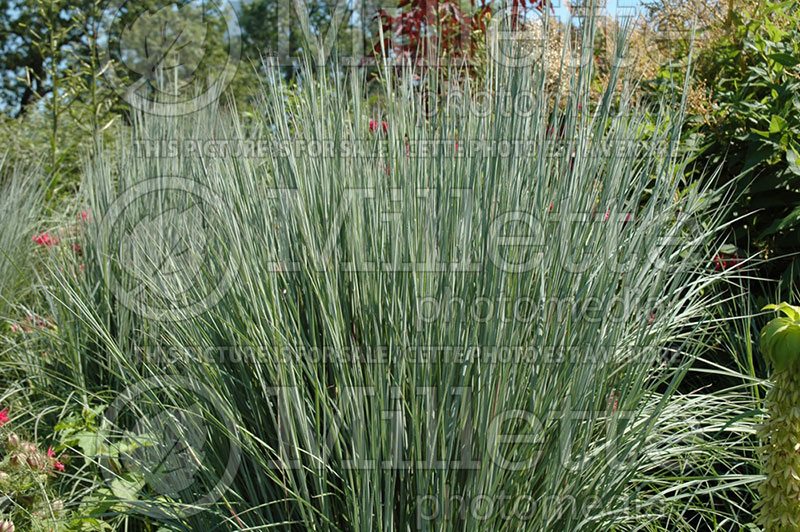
{"x":12,"y":441}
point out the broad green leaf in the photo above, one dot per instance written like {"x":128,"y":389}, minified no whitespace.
{"x":785,"y":59}
{"x":87,"y":441}
{"x":793,"y":158}
{"x":126,"y":487}
{"x":791,"y":311}
{"x":777,"y":124}
{"x":790,"y":220}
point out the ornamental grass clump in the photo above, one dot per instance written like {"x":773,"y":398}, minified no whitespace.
{"x":780,"y":491}
{"x":427,"y":348}
{"x":22,"y":198}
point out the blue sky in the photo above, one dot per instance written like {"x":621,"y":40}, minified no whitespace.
{"x":613,"y":7}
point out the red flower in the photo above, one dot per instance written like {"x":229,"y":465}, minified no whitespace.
{"x":45,"y":239}
{"x":3,"y":416}
{"x":51,"y":455}
{"x":373,"y":126}
{"x":83,"y":216}
{"x":721,"y":262}
{"x":551,"y":207}
{"x":77,"y":249}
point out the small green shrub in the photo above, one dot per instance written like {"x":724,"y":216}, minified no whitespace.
{"x":746,"y":120}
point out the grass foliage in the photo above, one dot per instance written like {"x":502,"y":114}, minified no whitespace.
{"x":402,"y":341}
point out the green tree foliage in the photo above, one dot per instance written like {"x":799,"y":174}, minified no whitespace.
{"x":326,"y":30}
{"x":69,"y":68}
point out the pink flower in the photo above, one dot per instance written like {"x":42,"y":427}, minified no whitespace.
{"x":14,"y":328}
{"x":77,"y":249}
{"x":83,"y":216}
{"x":45,"y":239}
{"x":3,"y":416}
{"x":613,"y":402}
{"x":51,"y":455}
{"x":628,"y":216}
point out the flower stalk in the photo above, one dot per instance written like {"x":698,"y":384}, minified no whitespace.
{"x":779,"y":504}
